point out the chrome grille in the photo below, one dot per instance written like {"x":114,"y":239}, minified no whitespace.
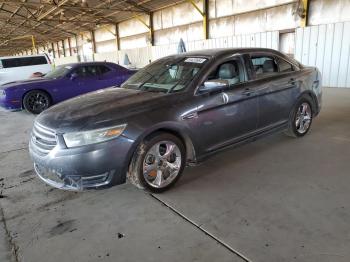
{"x":43,"y":139}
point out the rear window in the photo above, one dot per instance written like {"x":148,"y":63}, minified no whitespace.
{"x":23,"y":61}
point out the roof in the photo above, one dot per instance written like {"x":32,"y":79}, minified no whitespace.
{"x":226,"y":51}
{"x":59,"y":19}
{"x":89,"y":63}
{"x":9,"y":57}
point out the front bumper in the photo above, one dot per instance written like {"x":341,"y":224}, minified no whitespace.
{"x":8,"y":103}
{"x":93,"y":166}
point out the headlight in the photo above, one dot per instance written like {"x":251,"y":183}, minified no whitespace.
{"x":75,"y":139}
{"x":2,"y":93}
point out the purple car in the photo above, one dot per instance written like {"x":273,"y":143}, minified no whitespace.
{"x":66,"y":81}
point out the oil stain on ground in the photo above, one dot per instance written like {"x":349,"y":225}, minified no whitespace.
{"x":62,"y":227}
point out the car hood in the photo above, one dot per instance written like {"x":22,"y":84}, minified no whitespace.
{"x":99,"y":109}
{"x":25,"y":82}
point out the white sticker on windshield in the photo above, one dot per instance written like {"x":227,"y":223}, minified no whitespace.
{"x":195,"y":60}
{"x":68,"y":67}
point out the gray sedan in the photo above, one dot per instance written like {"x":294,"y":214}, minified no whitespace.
{"x":176,"y":111}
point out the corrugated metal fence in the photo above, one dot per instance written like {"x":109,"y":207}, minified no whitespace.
{"x":328,"y":48}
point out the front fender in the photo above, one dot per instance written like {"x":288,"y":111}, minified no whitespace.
{"x":181,"y":131}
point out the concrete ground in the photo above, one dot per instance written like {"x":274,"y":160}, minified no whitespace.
{"x":277,"y":199}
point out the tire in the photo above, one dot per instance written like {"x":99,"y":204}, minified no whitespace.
{"x":300,"y":119}
{"x":157,"y":163}
{"x":36,"y":101}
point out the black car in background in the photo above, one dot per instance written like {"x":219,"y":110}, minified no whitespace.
{"x":177,"y":110}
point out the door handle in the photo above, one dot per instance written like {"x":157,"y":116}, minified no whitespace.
{"x":225,"y":98}
{"x":292,"y":81}
{"x":190,"y":116}
{"x":247,"y":92}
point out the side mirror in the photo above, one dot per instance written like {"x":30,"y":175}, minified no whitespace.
{"x":73,"y":76}
{"x":214,"y":85}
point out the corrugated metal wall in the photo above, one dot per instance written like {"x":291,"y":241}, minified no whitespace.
{"x":266,"y":39}
{"x":328,"y":48}
{"x":140,"y":57}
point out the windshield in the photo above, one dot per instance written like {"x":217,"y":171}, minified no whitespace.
{"x":166,"y":75}
{"x":58,"y":72}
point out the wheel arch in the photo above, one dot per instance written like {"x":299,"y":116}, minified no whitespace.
{"x":186,"y":140}
{"x":174,"y":129}
{"x":310,"y":95}
{"x":37,"y":89}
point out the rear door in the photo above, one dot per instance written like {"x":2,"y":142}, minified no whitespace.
{"x":226,"y":116}
{"x":276,"y":88}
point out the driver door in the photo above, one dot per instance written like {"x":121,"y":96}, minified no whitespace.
{"x":85,"y":79}
{"x":229,"y":114}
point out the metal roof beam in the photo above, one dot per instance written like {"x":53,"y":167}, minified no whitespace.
{"x":29,"y":18}
{"x":69,"y":7}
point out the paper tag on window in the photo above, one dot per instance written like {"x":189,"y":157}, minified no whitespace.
{"x":195,"y":60}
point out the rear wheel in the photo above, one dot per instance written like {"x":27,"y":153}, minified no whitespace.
{"x":36,"y":101}
{"x":158,"y":163}
{"x":301,"y":119}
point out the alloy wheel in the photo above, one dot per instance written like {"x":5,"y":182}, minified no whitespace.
{"x":38,"y":102}
{"x":303,"y":118}
{"x":162,"y":164}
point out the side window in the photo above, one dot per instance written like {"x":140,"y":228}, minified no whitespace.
{"x":38,"y":60}
{"x":264,"y":66}
{"x":86,"y":71}
{"x":284,"y":66}
{"x":24,"y":61}
{"x":104,"y":69}
{"x":229,"y":71}
{"x":8,"y":63}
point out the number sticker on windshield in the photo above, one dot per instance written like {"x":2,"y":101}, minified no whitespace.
{"x":195,"y":60}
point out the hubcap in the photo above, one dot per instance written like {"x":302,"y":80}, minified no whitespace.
{"x":303,"y":118}
{"x":162,"y":164}
{"x":38,"y":102}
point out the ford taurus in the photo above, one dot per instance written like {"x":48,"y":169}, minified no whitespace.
{"x":176,"y":111}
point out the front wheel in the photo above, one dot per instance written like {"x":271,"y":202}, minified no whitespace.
{"x":36,"y":101}
{"x":157,"y":163}
{"x":301,"y":119}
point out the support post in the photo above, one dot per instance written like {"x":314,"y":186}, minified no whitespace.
{"x":305,"y":15}
{"x":64,"y":48}
{"x":33,"y":43}
{"x":151,"y":29}
{"x":93,"y":42}
{"x":117,"y":36}
{"x":70,"y":46}
{"x":206,"y":19}
{"x":77,"y":47}
{"x":204,"y":14}
{"x":53,"y":50}
{"x":150,"y":26}
{"x":58,"y":50}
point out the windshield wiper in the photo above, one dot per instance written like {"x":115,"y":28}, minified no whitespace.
{"x":152,"y":76}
